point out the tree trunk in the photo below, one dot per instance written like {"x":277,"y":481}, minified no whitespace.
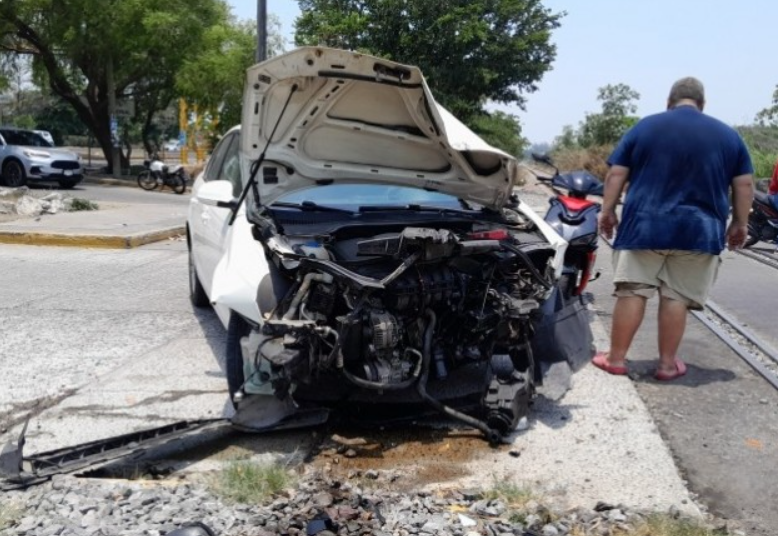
{"x":95,"y":113}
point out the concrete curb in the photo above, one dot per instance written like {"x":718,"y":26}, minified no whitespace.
{"x":90,"y":241}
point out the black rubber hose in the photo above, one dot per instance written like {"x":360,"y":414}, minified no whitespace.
{"x":534,"y":271}
{"x":366,"y":384}
{"x":378,"y":386}
{"x":493,"y":436}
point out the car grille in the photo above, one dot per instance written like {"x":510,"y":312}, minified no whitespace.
{"x":65,"y":164}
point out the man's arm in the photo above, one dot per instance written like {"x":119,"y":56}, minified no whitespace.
{"x":614,"y":185}
{"x":742,"y":197}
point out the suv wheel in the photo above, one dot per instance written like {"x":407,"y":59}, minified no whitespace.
{"x":14,"y":175}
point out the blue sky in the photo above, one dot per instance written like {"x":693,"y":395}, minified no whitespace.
{"x":647,"y":44}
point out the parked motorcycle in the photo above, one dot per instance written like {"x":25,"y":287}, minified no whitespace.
{"x":574,"y":217}
{"x":762,"y":221}
{"x":158,"y":175}
{"x":562,"y":330}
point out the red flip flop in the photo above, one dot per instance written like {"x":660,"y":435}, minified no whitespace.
{"x":680,"y":370}
{"x":600,"y":360}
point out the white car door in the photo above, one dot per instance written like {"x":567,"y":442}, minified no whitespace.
{"x":207,"y":224}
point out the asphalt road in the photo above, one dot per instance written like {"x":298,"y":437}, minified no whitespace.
{"x":721,"y":420}
{"x":71,"y":316}
{"x":118,"y":194}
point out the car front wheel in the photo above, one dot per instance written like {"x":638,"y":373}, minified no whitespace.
{"x":14,"y":175}
{"x":197,"y":294}
{"x":236,"y":330}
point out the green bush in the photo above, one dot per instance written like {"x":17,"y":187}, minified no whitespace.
{"x":762,"y":143}
{"x":250,"y":483}
{"x":77,"y":205}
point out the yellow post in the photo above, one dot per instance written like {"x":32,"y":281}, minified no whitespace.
{"x":198,"y":135}
{"x":183,"y":123}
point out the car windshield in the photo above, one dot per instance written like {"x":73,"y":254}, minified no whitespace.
{"x":354,"y":196}
{"x":24,"y":137}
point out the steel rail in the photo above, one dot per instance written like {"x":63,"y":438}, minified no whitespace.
{"x":760,"y":256}
{"x":765,"y":348}
{"x":736,"y":347}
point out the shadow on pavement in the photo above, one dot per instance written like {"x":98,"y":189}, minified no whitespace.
{"x":696,"y":376}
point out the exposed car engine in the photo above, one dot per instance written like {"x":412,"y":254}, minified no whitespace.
{"x":400,"y":311}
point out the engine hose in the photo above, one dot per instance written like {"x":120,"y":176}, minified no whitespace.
{"x":534,"y":271}
{"x":379,"y":386}
{"x":493,"y":436}
{"x":303,"y":290}
{"x":407,"y":263}
{"x":337,"y":355}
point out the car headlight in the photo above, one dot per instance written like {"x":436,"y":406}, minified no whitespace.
{"x":36,"y":154}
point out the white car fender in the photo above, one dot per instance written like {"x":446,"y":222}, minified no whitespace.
{"x":559,"y":243}
{"x":238,"y":274}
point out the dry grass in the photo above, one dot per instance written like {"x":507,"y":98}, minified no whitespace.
{"x":659,"y":525}
{"x":250,"y":482}
{"x":520,"y":500}
{"x":511,"y":494}
{"x":663,"y":525}
{"x":10,"y":514}
{"x":593,"y":160}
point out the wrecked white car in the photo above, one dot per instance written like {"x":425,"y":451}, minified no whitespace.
{"x":364,"y":247}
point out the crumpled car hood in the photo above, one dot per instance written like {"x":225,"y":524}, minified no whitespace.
{"x":334,"y":116}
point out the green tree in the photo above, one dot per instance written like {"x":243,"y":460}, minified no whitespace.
{"x":501,"y":130}
{"x":61,"y":120}
{"x":769,"y":116}
{"x":213,"y":79}
{"x":75,"y":44}
{"x":616,"y":117}
{"x":471,"y":51}
{"x":567,"y":140}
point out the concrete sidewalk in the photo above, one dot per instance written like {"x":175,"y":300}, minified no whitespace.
{"x":119,"y":226}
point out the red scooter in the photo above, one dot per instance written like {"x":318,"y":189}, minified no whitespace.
{"x":763,"y":220}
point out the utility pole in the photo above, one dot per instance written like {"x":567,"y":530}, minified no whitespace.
{"x":261,"y":30}
{"x":116,"y":163}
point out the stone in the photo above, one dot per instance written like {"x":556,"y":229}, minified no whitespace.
{"x":466,"y":521}
{"x":323,"y":499}
{"x":52,"y":530}
{"x":433,"y":525}
{"x":371,"y":474}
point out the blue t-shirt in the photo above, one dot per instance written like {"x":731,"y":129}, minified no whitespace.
{"x":681,"y":165}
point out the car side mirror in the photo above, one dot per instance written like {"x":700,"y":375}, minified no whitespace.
{"x":217,"y":194}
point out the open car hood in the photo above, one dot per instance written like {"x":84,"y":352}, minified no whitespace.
{"x":341,"y":117}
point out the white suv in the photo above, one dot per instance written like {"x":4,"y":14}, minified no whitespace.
{"x":26,"y":156}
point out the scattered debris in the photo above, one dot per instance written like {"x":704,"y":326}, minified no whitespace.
{"x":24,"y":202}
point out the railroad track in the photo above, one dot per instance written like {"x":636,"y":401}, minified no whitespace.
{"x":757,"y":353}
{"x":768,"y":257}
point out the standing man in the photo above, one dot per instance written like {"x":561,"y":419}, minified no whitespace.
{"x":681,"y":165}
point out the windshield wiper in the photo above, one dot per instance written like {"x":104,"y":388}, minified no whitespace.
{"x":310,"y":206}
{"x":411,"y":207}
{"x":251,"y":185}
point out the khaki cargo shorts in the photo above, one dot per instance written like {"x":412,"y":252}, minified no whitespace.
{"x":685,"y":276}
